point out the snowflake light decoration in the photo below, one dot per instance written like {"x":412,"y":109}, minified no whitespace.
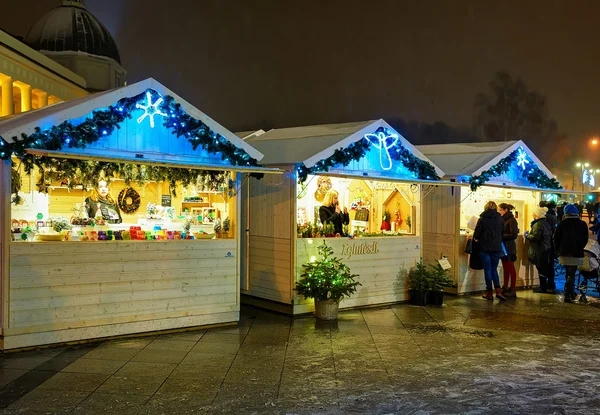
{"x":382,"y":142}
{"x":522,"y":159}
{"x":150,"y":109}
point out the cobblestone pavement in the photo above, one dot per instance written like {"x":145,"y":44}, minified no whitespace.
{"x":532,"y":355}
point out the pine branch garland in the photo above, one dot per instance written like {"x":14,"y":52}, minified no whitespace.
{"x":357,"y":150}
{"x":533,"y":174}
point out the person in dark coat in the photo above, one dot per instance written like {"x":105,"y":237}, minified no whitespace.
{"x":509,"y":238}
{"x":561,"y":211}
{"x":552,"y":220}
{"x":579,"y":206}
{"x":330,"y":212}
{"x":589,"y":208}
{"x":540,"y":248}
{"x":551,"y":216}
{"x":570,"y":239}
{"x":488,"y":233}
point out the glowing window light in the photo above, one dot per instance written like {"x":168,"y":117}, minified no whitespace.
{"x":150,"y":110}
{"x":383,"y":144}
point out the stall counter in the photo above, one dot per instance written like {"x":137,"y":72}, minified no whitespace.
{"x":382,"y":264}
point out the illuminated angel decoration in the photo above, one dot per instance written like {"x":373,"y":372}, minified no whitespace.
{"x":383,"y":143}
{"x":150,"y":110}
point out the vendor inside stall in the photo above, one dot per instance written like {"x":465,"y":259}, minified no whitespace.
{"x":358,"y":208}
{"x":102,"y":205}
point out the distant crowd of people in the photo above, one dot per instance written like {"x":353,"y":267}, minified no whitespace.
{"x":552,"y":234}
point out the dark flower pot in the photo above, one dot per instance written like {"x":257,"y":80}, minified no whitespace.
{"x":418,"y":297}
{"x":435,"y":298}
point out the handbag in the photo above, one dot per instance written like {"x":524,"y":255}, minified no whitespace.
{"x":474,"y":259}
{"x":469,"y":246}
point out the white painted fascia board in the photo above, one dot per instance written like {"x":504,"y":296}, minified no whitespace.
{"x":358,"y":135}
{"x":352,"y":138}
{"x":83,"y":106}
{"x":509,"y":150}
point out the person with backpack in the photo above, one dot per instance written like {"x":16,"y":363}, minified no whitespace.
{"x":570,"y":239}
{"x":540,"y":248}
{"x":509,"y":238}
{"x":488,"y":234}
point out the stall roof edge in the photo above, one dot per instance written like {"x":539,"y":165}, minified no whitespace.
{"x":55,"y":114}
{"x":470,"y":159}
{"x":310,"y":144}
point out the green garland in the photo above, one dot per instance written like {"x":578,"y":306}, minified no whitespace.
{"x":104,"y":122}
{"x":86,"y":173}
{"x":355,"y":151}
{"x":534,"y":174}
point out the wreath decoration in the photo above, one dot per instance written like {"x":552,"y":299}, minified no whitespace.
{"x":129,"y":200}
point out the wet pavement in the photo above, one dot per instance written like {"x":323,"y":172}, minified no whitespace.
{"x":532,"y":355}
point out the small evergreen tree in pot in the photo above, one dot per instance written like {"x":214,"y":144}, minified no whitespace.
{"x":419,"y":284}
{"x":439,"y":280}
{"x":328,"y":281}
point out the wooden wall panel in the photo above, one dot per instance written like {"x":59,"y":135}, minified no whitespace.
{"x":272,"y":221}
{"x":74,"y":285}
{"x":270,"y":269}
{"x":440,"y":223}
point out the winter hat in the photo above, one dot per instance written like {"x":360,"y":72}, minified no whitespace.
{"x":571,"y":209}
{"x":540,"y":212}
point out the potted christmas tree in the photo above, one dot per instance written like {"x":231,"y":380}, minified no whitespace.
{"x":439,"y":280}
{"x":419,"y":284}
{"x":328,"y":281}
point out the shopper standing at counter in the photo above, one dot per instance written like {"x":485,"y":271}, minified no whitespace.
{"x":509,"y":237}
{"x":488,"y":232}
{"x":102,"y":204}
{"x":331,"y":212}
{"x":540,"y":250}
{"x":570,"y":239}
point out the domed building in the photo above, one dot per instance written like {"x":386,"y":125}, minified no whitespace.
{"x":73,"y":37}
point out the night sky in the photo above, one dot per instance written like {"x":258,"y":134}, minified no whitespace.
{"x":265,"y":64}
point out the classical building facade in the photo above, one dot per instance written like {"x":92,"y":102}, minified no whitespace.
{"x":30,"y":80}
{"x":66,"y":55}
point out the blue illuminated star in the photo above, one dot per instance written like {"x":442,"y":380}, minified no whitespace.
{"x":150,"y":110}
{"x":380,"y":141}
{"x":522,"y":158}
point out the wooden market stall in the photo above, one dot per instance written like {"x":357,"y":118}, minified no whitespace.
{"x":376,"y":172}
{"x":500,"y":171}
{"x":168,"y":264}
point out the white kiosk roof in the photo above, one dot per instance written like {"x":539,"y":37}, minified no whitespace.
{"x":311,"y":144}
{"x":470,"y":159}
{"x":12,"y":127}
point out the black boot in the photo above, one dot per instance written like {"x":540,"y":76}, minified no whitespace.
{"x":543,"y":288}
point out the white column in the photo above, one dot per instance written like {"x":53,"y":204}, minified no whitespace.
{"x":25,"y":97}
{"x":7,"y":97}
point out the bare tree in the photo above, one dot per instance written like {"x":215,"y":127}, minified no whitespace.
{"x":510,"y":111}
